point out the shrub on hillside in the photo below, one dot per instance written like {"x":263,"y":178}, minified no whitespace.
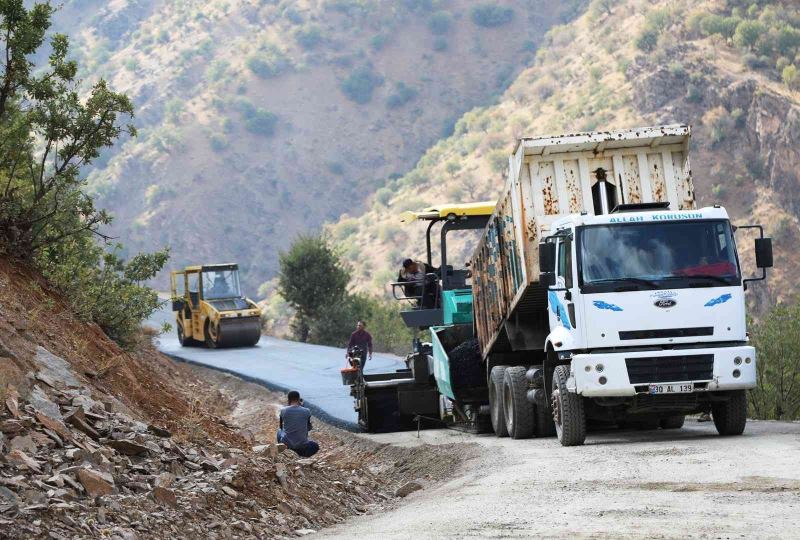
{"x":719,"y":24}
{"x":360,"y":84}
{"x":217,"y":70}
{"x":491,"y":15}
{"x":647,"y":40}
{"x":777,"y":396}
{"x":218,"y":142}
{"x":308,"y":37}
{"x":268,"y":62}
{"x":791,"y":77}
{"x":748,"y":33}
{"x":262,"y":122}
{"x":401,"y":95}
{"x":440,"y":44}
{"x":440,"y":22}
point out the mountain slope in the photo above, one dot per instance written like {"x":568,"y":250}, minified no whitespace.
{"x":261,"y":119}
{"x":591,"y":74}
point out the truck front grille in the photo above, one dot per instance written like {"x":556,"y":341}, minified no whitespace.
{"x":694,"y":367}
{"x":667,"y":333}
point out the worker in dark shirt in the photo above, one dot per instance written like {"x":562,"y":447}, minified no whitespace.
{"x":295,"y":423}
{"x":361,"y":339}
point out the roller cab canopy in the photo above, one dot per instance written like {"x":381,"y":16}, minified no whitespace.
{"x":450,"y":211}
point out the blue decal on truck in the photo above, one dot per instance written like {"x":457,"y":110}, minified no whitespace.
{"x":605,"y":305}
{"x":719,"y":300}
{"x":558,"y":308}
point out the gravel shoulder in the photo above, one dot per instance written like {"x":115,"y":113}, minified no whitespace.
{"x":662,"y":484}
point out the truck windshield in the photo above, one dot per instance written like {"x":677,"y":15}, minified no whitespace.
{"x":223,"y":283}
{"x":637,"y":256}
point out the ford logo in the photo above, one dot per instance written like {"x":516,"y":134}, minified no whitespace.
{"x":665,"y":303}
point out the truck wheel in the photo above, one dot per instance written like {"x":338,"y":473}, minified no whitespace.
{"x":730,"y":416}
{"x":673,"y":422}
{"x":568,"y":414}
{"x":211,"y":338}
{"x":496,"y":400}
{"x":545,"y":427}
{"x":182,"y":339}
{"x":516,"y":408}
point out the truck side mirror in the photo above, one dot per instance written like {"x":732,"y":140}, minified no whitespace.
{"x":177,"y":304}
{"x":547,"y":257}
{"x":764,"y":252}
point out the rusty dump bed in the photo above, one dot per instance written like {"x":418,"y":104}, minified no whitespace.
{"x":550,"y":177}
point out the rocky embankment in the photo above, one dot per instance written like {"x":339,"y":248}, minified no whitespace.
{"x":97,"y":442}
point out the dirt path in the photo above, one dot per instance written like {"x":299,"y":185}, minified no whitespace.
{"x":685,"y":484}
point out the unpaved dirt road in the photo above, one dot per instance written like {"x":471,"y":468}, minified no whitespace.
{"x":660,"y":484}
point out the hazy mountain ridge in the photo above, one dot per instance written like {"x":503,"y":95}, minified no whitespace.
{"x":589,"y":75}
{"x":261,"y":119}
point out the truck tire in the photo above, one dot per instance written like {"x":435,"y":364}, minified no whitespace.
{"x":545,"y":427}
{"x":730,"y":416}
{"x":496,"y":400}
{"x":182,"y":339}
{"x":211,"y":343}
{"x":516,"y":408}
{"x":673,"y":422}
{"x":568,"y":414}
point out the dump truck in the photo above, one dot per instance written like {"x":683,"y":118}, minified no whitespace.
{"x":601,"y":295}
{"x":210,"y":308}
{"x":411,"y":396}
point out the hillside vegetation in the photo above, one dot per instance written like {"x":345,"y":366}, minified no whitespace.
{"x":262,"y":119}
{"x":727,"y":68}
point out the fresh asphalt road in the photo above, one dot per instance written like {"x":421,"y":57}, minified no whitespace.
{"x":313,"y":370}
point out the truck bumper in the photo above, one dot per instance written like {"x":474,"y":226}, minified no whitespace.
{"x":631,"y":373}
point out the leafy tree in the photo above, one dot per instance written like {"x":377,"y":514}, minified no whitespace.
{"x":48,"y":131}
{"x":599,"y":7}
{"x":718,"y":24}
{"x":312,"y":279}
{"x":360,"y":84}
{"x":791,"y":77}
{"x":308,"y":37}
{"x":261,"y":122}
{"x":747,"y":34}
{"x":777,"y":395}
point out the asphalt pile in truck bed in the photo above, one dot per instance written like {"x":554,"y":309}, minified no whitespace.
{"x":466,"y":368}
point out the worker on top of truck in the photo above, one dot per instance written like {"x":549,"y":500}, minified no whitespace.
{"x":415,"y":273}
{"x":362,"y":340}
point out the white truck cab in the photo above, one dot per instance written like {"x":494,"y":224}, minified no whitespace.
{"x":650,"y":304}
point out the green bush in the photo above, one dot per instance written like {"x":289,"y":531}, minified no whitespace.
{"x":718,"y":24}
{"x":748,"y":33}
{"x":440,"y":22}
{"x":218,"y":142}
{"x":268,"y":62}
{"x":262,"y":122}
{"x":777,"y":395}
{"x":360,"y":84}
{"x":378,"y":42}
{"x":401,"y":95}
{"x":384,"y":195}
{"x":308,"y":37}
{"x":491,"y":15}
{"x":647,"y":40}
{"x":791,"y":77}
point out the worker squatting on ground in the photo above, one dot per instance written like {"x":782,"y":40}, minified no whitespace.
{"x":295,"y":423}
{"x":361,"y":339}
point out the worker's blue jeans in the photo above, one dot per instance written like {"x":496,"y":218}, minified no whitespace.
{"x":307,"y":449}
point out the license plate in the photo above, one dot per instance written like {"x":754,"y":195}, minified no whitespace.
{"x":674,"y":388}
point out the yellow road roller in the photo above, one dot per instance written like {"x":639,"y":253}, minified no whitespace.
{"x":210,"y":309}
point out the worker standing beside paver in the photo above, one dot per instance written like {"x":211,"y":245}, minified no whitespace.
{"x":295,"y":423}
{"x":361,"y":339}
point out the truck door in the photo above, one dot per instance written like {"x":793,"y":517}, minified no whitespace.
{"x":562,"y":307}
{"x":193,"y":297}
